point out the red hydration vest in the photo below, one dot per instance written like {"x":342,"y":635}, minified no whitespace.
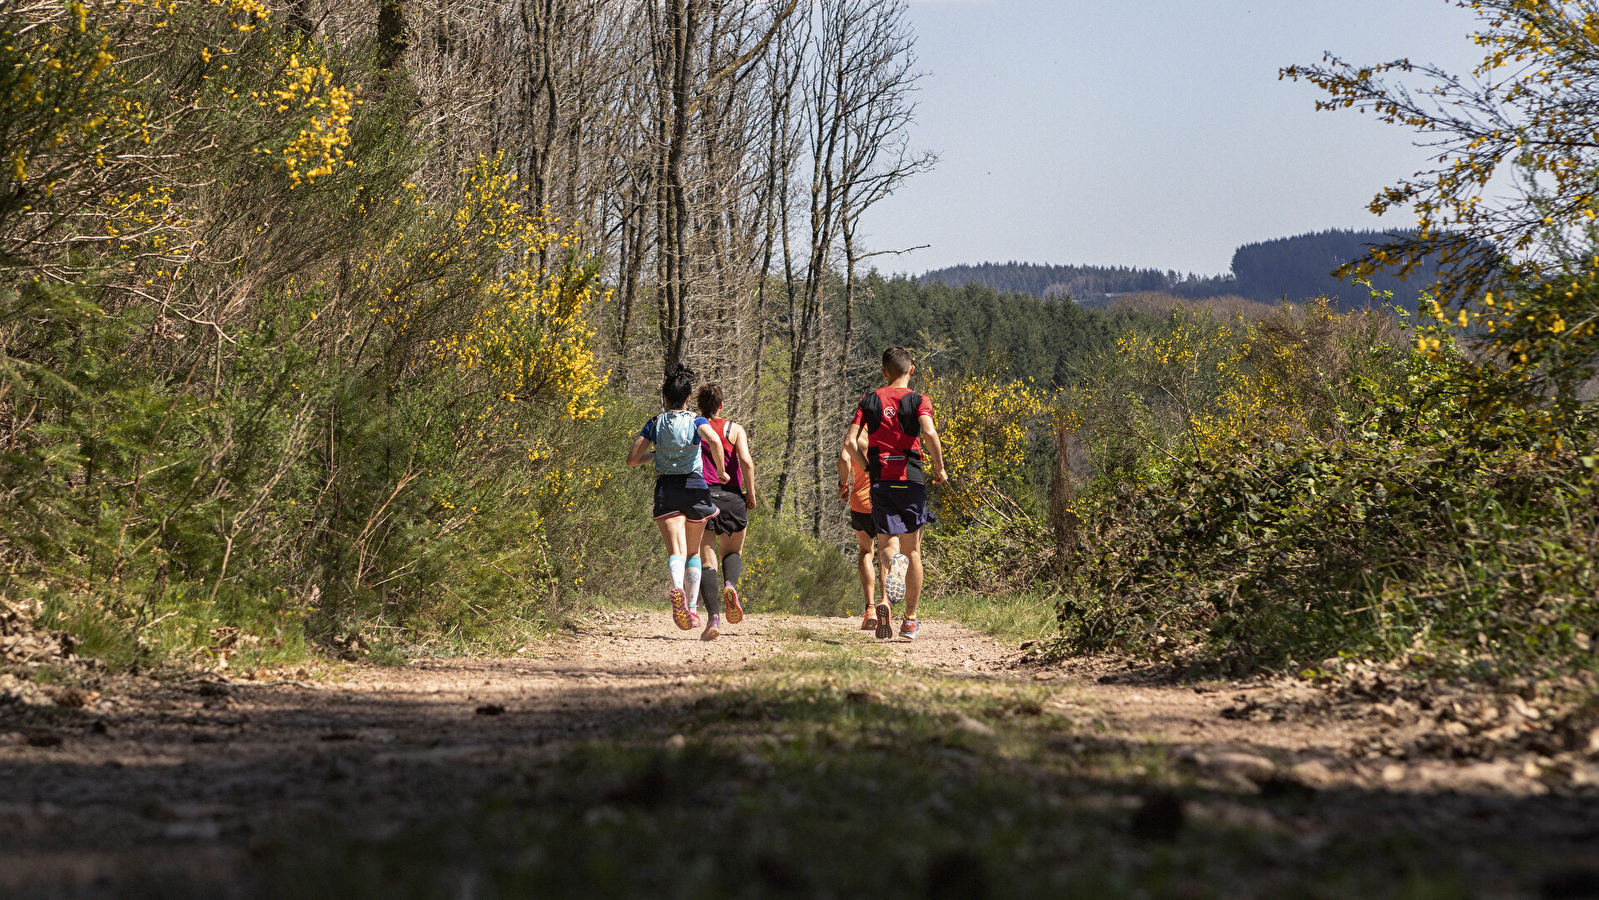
{"x":735,"y":475}
{"x":892,"y":417}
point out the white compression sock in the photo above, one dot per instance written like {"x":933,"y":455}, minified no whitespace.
{"x":675,"y":563}
{"x":691,"y":583}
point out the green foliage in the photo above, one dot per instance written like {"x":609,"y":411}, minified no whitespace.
{"x":257,"y":389}
{"x":974,"y":330}
{"x":788,"y":571}
{"x":1449,"y":526}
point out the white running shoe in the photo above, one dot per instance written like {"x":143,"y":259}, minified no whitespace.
{"x":894,"y":581}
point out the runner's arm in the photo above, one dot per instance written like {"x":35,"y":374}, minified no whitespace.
{"x":718,"y":452}
{"x":741,"y":443}
{"x":844,"y":473}
{"x":638,"y":456}
{"x":935,"y":449}
{"x":852,"y":446}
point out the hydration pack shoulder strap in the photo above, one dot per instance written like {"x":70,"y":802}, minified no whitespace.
{"x":872,"y":411}
{"x":909,"y":414}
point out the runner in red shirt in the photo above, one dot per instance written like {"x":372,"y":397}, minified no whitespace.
{"x":897,"y":423}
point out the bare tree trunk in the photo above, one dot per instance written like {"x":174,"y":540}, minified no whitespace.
{"x":392,"y":39}
{"x":1063,"y":518}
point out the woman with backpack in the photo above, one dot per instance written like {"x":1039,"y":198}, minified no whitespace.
{"x":683,"y":501}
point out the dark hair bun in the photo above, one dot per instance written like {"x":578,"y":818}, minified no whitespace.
{"x":678,"y":385}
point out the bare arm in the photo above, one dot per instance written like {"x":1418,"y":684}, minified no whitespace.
{"x":844,"y":472}
{"x":639,"y":455}
{"x":718,"y":452}
{"x":741,"y":444}
{"x":935,"y":449}
{"x":852,"y":446}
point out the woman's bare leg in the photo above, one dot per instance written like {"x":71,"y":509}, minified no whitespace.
{"x":675,"y":532}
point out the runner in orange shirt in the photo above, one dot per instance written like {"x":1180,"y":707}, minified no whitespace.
{"x":855,"y":487}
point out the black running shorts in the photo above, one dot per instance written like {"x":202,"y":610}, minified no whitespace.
{"x":733,"y":514}
{"x":693,"y":504}
{"x":862,"y":522}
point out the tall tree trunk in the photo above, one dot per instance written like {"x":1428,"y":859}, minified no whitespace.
{"x":392,"y":39}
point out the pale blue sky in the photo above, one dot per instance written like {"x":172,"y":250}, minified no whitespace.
{"x":1147,"y":132}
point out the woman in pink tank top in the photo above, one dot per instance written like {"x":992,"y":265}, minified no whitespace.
{"x":734,"y":497}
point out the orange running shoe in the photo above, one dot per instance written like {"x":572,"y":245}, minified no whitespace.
{"x":870,"y":622}
{"x":680,"y":610}
{"x":735,"y":609}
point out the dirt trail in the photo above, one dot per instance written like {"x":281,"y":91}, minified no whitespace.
{"x":163,"y":779}
{"x":181,"y":783}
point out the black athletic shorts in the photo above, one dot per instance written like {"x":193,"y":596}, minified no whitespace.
{"x":862,"y":522}
{"x":899,"y":507}
{"x":733,"y":514}
{"x":671,"y":500}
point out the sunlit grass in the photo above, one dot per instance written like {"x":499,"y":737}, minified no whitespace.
{"x":1014,"y":618}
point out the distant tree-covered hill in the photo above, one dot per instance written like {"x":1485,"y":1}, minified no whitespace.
{"x":1292,"y":268}
{"x":1299,"y":267}
{"x":1082,"y":283}
{"x":975,"y":328}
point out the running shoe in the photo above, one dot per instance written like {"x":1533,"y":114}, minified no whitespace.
{"x":693,"y":618}
{"x":870,"y":622}
{"x":735,"y":609}
{"x":907,"y":629}
{"x":894,"y":582}
{"x":712,"y":631}
{"x":680,"y":613}
{"x":885,"y":621}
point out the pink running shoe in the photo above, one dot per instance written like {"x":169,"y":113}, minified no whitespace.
{"x":680,"y":614}
{"x":693,"y":619}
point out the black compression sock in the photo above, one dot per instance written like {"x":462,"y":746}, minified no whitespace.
{"x":733,"y":564}
{"x":711,"y":591}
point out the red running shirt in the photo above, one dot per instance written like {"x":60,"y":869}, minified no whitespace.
{"x":893,"y":454}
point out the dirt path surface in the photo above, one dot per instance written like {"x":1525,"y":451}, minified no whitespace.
{"x":186,"y":788}
{"x":176,"y":780}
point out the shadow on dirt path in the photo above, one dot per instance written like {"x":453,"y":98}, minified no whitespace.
{"x":795,"y":756}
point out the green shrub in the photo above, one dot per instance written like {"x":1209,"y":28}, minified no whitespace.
{"x":1456,"y":525}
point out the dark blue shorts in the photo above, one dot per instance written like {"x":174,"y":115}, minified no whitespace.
{"x":899,"y":507}
{"x":694,"y":504}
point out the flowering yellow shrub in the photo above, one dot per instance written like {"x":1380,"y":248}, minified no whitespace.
{"x":530,"y":340}
{"x":983,"y":422}
{"x":96,"y":153}
{"x":1270,"y":386}
{"x":309,"y":91}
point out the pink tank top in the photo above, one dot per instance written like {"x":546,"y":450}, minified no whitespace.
{"x":735,"y":475}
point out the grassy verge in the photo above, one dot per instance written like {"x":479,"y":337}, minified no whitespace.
{"x":1012,"y":618}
